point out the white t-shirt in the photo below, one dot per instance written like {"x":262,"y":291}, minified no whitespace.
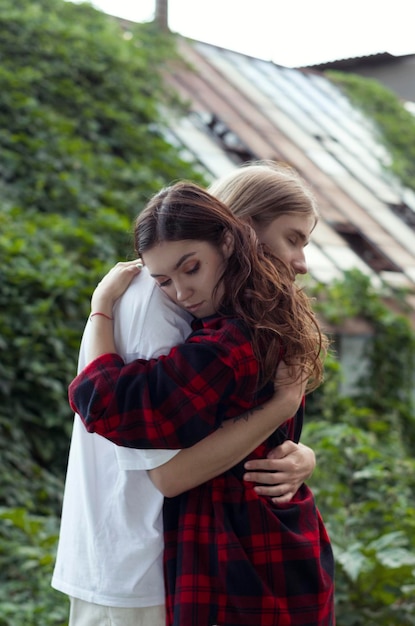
{"x":111,"y":537}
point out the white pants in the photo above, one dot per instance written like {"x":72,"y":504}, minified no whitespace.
{"x":87,"y":614}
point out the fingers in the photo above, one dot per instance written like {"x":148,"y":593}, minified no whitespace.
{"x":124,"y":268}
{"x":265,"y":465}
{"x":280,"y":475}
{"x":284,"y":499}
{"x":121,"y":268}
{"x":283,"y":450}
{"x":266,"y":478}
{"x":128,"y":265}
{"x":281,"y":493}
{"x":278,"y":460}
{"x":114,"y":283}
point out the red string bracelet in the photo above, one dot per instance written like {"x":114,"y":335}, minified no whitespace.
{"x":107,"y":317}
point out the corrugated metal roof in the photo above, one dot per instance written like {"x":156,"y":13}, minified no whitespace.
{"x":380,"y":58}
{"x":243,"y":108}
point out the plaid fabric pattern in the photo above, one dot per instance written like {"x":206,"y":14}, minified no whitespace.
{"x":232,"y":558}
{"x":175,"y":400}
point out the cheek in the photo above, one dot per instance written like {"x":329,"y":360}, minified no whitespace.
{"x":168,"y":290}
{"x":212,"y":270}
{"x":170,"y":293}
{"x":279,"y":247}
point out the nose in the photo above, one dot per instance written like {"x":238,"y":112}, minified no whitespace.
{"x":299,"y":264}
{"x":183,"y":291}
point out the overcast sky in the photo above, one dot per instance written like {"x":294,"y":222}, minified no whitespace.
{"x":288,"y":32}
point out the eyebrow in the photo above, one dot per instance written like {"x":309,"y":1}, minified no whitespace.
{"x":177,"y":265}
{"x":300,"y":234}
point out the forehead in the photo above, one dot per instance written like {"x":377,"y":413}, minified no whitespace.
{"x":301,"y":223}
{"x":168,"y":256}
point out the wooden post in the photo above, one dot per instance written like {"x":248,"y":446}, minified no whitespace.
{"x":161,"y":15}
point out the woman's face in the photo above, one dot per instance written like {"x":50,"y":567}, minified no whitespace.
{"x":287,"y":236}
{"x":188,"y":272}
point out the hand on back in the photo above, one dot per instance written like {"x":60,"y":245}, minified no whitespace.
{"x":113,"y":285}
{"x":281,"y":474}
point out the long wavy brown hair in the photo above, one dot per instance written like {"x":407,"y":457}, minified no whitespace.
{"x":257,"y":290}
{"x":260,"y":191}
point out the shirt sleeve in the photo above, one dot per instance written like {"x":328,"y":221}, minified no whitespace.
{"x":147,"y":324}
{"x":170,"y":402}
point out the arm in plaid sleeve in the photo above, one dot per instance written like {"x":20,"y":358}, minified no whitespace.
{"x":173,"y":401}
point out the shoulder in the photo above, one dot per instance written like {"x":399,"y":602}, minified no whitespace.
{"x":147,"y":323}
{"x":135,"y":300}
{"x":228,"y":339}
{"x":220,"y":327}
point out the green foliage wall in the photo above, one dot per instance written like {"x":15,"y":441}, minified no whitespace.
{"x":82,"y":147}
{"x":365,"y":477}
{"x":395,"y":125}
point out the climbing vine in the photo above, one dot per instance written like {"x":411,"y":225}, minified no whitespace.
{"x":395,"y":124}
{"x":387,"y":383}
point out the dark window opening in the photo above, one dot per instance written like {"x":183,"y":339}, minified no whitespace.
{"x":323,"y":138}
{"x":367,"y":251}
{"x":227,"y":139}
{"x":405,"y":213}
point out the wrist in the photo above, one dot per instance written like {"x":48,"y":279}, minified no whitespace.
{"x":100,"y":314}
{"x":102,"y":305}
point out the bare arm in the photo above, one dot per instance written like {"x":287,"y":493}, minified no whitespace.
{"x":111,"y":287}
{"x":230,"y":444}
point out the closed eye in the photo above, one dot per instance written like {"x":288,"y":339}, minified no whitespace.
{"x":165,"y":283}
{"x":194,"y":269}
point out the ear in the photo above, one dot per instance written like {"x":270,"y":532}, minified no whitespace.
{"x":228,"y":244}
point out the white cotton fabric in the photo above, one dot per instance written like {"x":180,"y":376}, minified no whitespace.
{"x":88,"y":614}
{"x":111,"y":538}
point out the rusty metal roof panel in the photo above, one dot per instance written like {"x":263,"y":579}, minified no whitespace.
{"x":206,"y":151}
{"x":249,"y":108}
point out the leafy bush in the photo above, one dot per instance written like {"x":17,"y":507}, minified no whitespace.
{"x":27,"y":545}
{"x":366,"y":495}
{"x":364,"y":481}
{"x":384,"y":393}
{"x":82,"y":147}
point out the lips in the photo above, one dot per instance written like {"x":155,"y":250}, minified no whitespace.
{"x":193,"y":307}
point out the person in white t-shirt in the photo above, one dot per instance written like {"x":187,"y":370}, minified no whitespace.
{"x":110,"y":552}
{"x":110,"y":546}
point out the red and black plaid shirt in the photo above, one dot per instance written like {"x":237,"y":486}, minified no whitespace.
{"x":232,"y":558}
